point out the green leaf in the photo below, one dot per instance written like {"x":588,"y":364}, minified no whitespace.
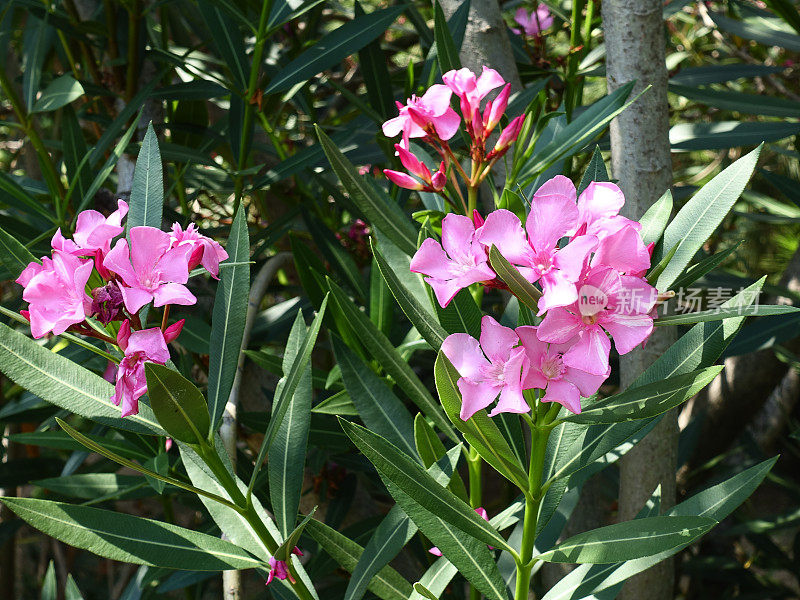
{"x":394,"y":532}
{"x":71,"y":591}
{"x":49,"y":585}
{"x":149,"y":473}
{"x":479,"y":430}
{"x":130,"y":539}
{"x":13,"y":255}
{"x":229,"y":42}
{"x":375,"y":69}
{"x":338,"y":404}
{"x":446,"y":50}
{"x":408,"y":476}
{"x":60,"y":92}
{"x":378,"y":208}
{"x":228,"y":318}
{"x":760,"y":32}
{"x":76,"y":153}
{"x":646,"y":401}
{"x":576,"y":134}
{"x":37,"y":39}
{"x":381,"y":411}
{"x":178,"y":405}
{"x":421,"y":589}
{"x":333,"y":48}
{"x":287,"y":456}
{"x":655,"y":220}
{"x":695,"y":76}
{"x":431,"y":449}
{"x":379,"y":346}
{"x":292,"y":380}
{"x":381,"y":307}
{"x":427,"y":325}
{"x":523,"y":289}
{"x":696,"y":271}
{"x":387,"y":584}
{"x":629,"y":540}
{"x":595,"y":171}
{"x":701,"y":215}
{"x":720,"y":135}
{"x":284,"y":551}
{"x":462,"y":315}
{"x":716,"y":502}
{"x":60,"y":381}
{"x":726,"y":313}
{"x":90,"y":485}
{"x":751,"y":104}
{"x":15,"y":196}
{"x":147,"y":190}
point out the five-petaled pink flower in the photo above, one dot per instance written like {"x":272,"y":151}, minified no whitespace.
{"x":553,"y":214}
{"x":618,"y":304}
{"x":150,"y":269}
{"x":144,"y":345}
{"x":424,"y":115}
{"x":496,"y":365}
{"x":56,"y":292}
{"x":561,"y":383}
{"x":535,"y":23}
{"x":279,"y":569}
{"x":205,"y":251}
{"x":456,"y":263}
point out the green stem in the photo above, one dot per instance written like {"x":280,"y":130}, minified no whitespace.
{"x":246,"y":509}
{"x":474,"y":464}
{"x":472,"y":199}
{"x":539,"y":435}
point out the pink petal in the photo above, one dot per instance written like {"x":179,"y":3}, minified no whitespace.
{"x":457,"y":235}
{"x":461,"y":81}
{"x":134,"y":298}
{"x":403,"y":180}
{"x":464,"y":352}
{"x":151,"y":343}
{"x":635,"y":295}
{"x":118,"y":261}
{"x":497,"y":340}
{"x":435,"y":551}
{"x":628,"y":331}
{"x":534,"y":347}
{"x":444,"y":289}
{"x":503,"y":229}
{"x":475,"y":396}
{"x":572,"y":258}
{"x":394,"y":126}
{"x":431,"y":259}
{"x":437,"y":99}
{"x":447,"y":124}
{"x":600,"y":200}
{"x":173,"y":293}
{"x":173,"y":265}
{"x":488,"y":80}
{"x":587,"y":383}
{"x":557,"y":291}
{"x":559,"y":326}
{"x":552,"y":216}
{"x":565,"y":394}
{"x":148,"y":244}
{"x":623,"y":250}
{"x":590,"y":352}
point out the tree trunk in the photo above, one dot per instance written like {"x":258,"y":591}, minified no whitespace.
{"x":486,"y":40}
{"x":640,"y":158}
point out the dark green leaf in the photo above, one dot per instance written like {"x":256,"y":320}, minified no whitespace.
{"x":60,"y":92}
{"x":147,"y":191}
{"x":178,"y":405}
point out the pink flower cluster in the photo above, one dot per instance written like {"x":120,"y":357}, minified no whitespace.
{"x":589,"y":262}
{"x":534,"y":23}
{"x":152,"y":267}
{"x":279,"y":569}
{"x":432,"y":119}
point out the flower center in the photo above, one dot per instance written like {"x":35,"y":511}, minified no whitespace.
{"x":543,"y":262}
{"x":494,"y":373}
{"x":553,"y":366}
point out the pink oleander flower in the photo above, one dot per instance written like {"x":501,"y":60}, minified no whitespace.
{"x":430,"y":183}
{"x":146,"y":345}
{"x":609,"y":302}
{"x":496,"y":365}
{"x":538,"y":256}
{"x":205,"y":251}
{"x":151,"y":269}
{"x":93,"y":235}
{"x":279,"y":569}
{"x":459,"y":261}
{"x":471,"y":90}
{"x":482,"y":512}
{"x":561,"y":383}
{"x":624,"y":250}
{"x":422,"y":116}
{"x":598,"y":210}
{"x":56,"y":293}
{"x":535,"y":23}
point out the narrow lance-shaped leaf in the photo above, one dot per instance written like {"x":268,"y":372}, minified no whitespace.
{"x":60,"y":92}
{"x":523,"y":289}
{"x":147,"y":190}
{"x":62,"y":382}
{"x":654,"y":221}
{"x":726,"y":313}
{"x":287,"y":456}
{"x":629,"y":540}
{"x":228,"y":318}
{"x":13,"y":255}
{"x":445,"y":46}
{"x":178,"y":405}
{"x":595,"y":171}
{"x":130,"y":539}
{"x":646,"y":401}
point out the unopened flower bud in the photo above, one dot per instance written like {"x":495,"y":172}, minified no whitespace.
{"x":508,"y":136}
{"x":439,"y":179}
{"x":173,"y":331}
{"x":124,"y":334}
{"x":412,"y":163}
{"x":404,"y":180}
{"x":495,"y":109}
{"x":477,"y":219}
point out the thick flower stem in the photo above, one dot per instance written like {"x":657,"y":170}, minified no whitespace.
{"x":472,"y":199}
{"x":539,"y":435}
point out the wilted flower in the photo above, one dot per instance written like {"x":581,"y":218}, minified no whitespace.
{"x":279,"y":569}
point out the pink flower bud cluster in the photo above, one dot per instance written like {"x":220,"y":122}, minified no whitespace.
{"x":588,"y":261}
{"x":152,"y":267}
{"x":431,"y":119}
